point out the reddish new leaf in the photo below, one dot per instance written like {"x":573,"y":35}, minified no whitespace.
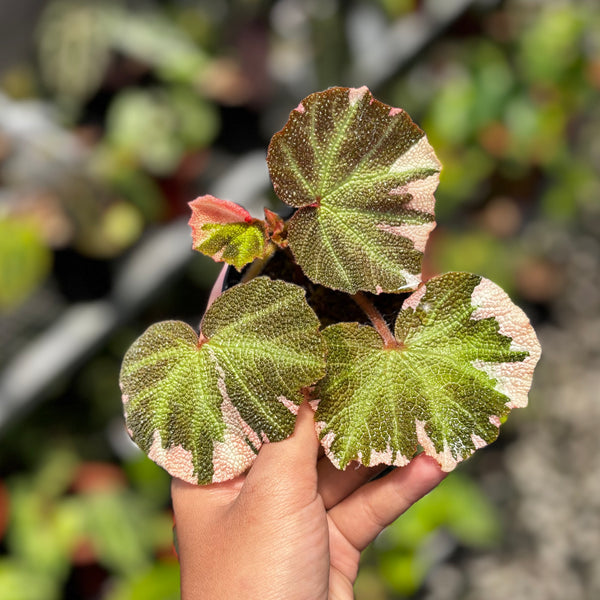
{"x":226,"y":232}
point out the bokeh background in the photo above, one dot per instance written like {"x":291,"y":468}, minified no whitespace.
{"x":113,"y":115}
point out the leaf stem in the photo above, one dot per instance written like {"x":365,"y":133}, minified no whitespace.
{"x":377,"y":320}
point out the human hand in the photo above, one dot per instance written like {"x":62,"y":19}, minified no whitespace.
{"x":293,"y":527}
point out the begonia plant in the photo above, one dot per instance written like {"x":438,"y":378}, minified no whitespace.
{"x":331,"y":306}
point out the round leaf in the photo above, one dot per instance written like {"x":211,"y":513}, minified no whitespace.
{"x":465,"y":357}
{"x":202,"y":408}
{"x":362,"y":176}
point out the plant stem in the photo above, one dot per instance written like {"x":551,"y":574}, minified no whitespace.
{"x":202,"y":339}
{"x":377,"y":320}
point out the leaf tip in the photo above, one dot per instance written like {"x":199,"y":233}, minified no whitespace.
{"x":289,"y":404}
{"x":356,"y":94}
{"x":495,"y":420}
{"x":478,"y":441}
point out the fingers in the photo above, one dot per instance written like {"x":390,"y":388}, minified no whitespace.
{"x":335,"y":485}
{"x":302,"y":445}
{"x":189,"y":500}
{"x":293,"y":459}
{"x":367,"y":511}
{"x":290,"y":463}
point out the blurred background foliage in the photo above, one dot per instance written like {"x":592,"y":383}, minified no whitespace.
{"x":113,"y":115}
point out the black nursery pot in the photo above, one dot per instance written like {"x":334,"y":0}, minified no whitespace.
{"x":331,"y":306}
{"x":232,"y":277}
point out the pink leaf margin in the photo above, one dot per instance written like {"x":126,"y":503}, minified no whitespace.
{"x":513,"y":379}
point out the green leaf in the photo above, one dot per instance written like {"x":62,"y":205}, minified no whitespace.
{"x":202,"y":408}
{"x":116,"y":529}
{"x":226,"y":232}
{"x":18,"y":582}
{"x":24,"y":261}
{"x":160,"y":582}
{"x":362,"y":176}
{"x":74,"y":45}
{"x":465,"y":357}
{"x":154,"y":128}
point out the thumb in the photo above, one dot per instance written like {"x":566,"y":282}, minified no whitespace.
{"x":290,"y":464}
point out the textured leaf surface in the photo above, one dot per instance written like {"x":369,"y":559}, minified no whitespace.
{"x":362,"y":176}
{"x":202,"y":408}
{"x":226,"y":232}
{"x":466,"y":357}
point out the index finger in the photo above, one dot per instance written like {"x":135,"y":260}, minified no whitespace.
{"x":366,"y":512}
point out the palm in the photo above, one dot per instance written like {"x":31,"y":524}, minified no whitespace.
{"x":293,"y":527}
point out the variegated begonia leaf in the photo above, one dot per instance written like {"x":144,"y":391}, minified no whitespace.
{"x":201,"y":407}
{"x":362,"y":176}
{"x":465,"y":356}
{"x":226,"y":232}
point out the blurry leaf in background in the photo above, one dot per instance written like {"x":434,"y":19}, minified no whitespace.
{"x":121,"y":225}
{"x":476,"y":251}
{"x":465,"y":171}
{"x":150,"y":481}
{"x":79,"y":45}
{"x":155,"y":40}
{"x":552,"y":44}
{"x":132,"y":184}
{"x":403,"y":572}
{"x":410,"y":547}
{"x":103,"y":225}
{"x":471,"y":96}
{"x":72,"y":514}
{"x":44,"y":209}
{"x":575,"y":185}
{"x":160,"y":582}
{"x":537,"y":131}
{"x":119,"y":536}
{"x":17,"y":583}
{"x":24,"y":261}
{"x":74,"y":46}
{"x":156,"y":127}
{"x":41,"y":534}
{"x":450,"y":116}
